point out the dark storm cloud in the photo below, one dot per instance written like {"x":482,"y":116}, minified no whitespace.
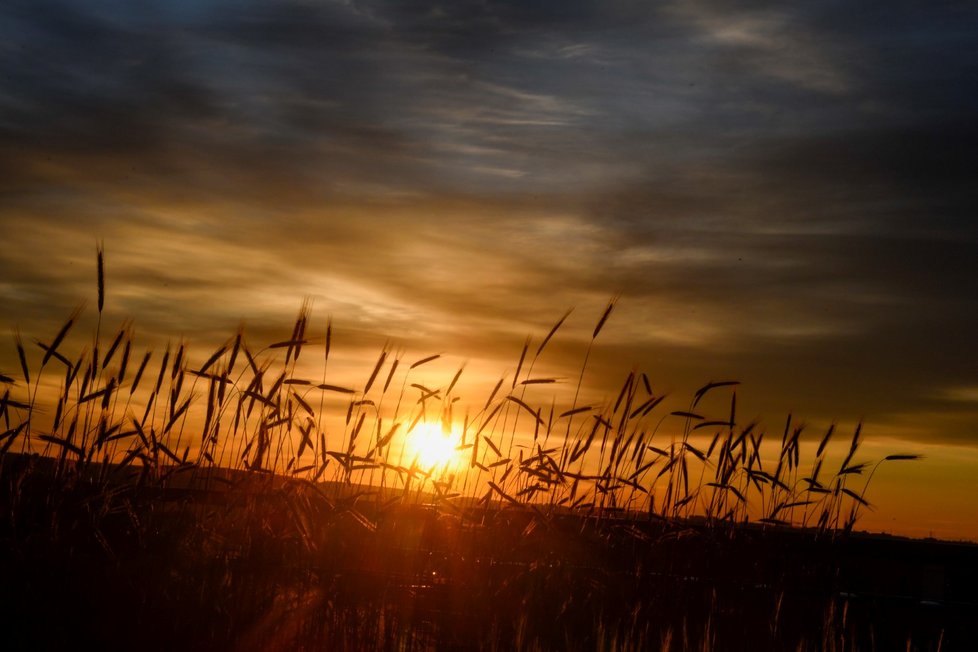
{"x":783,"y":192}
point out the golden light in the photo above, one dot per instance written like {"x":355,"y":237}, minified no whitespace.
{"x":432,"y":446}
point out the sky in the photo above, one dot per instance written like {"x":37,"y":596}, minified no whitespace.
{"x":778,"y":193}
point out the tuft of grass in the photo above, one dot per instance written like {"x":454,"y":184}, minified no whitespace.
{"x":244,"y":485}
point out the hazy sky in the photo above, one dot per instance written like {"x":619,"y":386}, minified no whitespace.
{"x":781,"y":194}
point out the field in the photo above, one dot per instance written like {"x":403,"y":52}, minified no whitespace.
{"x":245,"y":500}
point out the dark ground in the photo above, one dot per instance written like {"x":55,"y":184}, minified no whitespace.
{"x":256,"y":562}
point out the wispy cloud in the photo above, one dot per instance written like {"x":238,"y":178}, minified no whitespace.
{"x":781,"y":194}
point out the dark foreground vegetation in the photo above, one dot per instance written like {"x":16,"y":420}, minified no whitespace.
{"x":248,"y":562}
{"x":247,"y":501}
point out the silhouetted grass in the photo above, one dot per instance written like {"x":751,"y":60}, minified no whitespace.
{"x":247,"y":502}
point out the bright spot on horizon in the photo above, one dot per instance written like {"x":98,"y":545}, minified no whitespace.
{"x":432,"y":446}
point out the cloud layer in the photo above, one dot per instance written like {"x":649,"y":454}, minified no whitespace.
{"x":783,"y":195}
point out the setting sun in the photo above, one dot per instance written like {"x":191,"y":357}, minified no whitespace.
{"x":432,"y":446}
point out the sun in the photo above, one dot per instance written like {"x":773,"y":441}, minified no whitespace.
{"x":432,"y":446}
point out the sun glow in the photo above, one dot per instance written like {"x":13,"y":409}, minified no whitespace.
{"x":432,"y":446}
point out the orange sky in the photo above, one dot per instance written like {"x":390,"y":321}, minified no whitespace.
{"x":782,"y":196}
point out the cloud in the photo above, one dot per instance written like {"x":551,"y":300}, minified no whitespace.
{"x":773,"y":43}
{"x":781,"y":193}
